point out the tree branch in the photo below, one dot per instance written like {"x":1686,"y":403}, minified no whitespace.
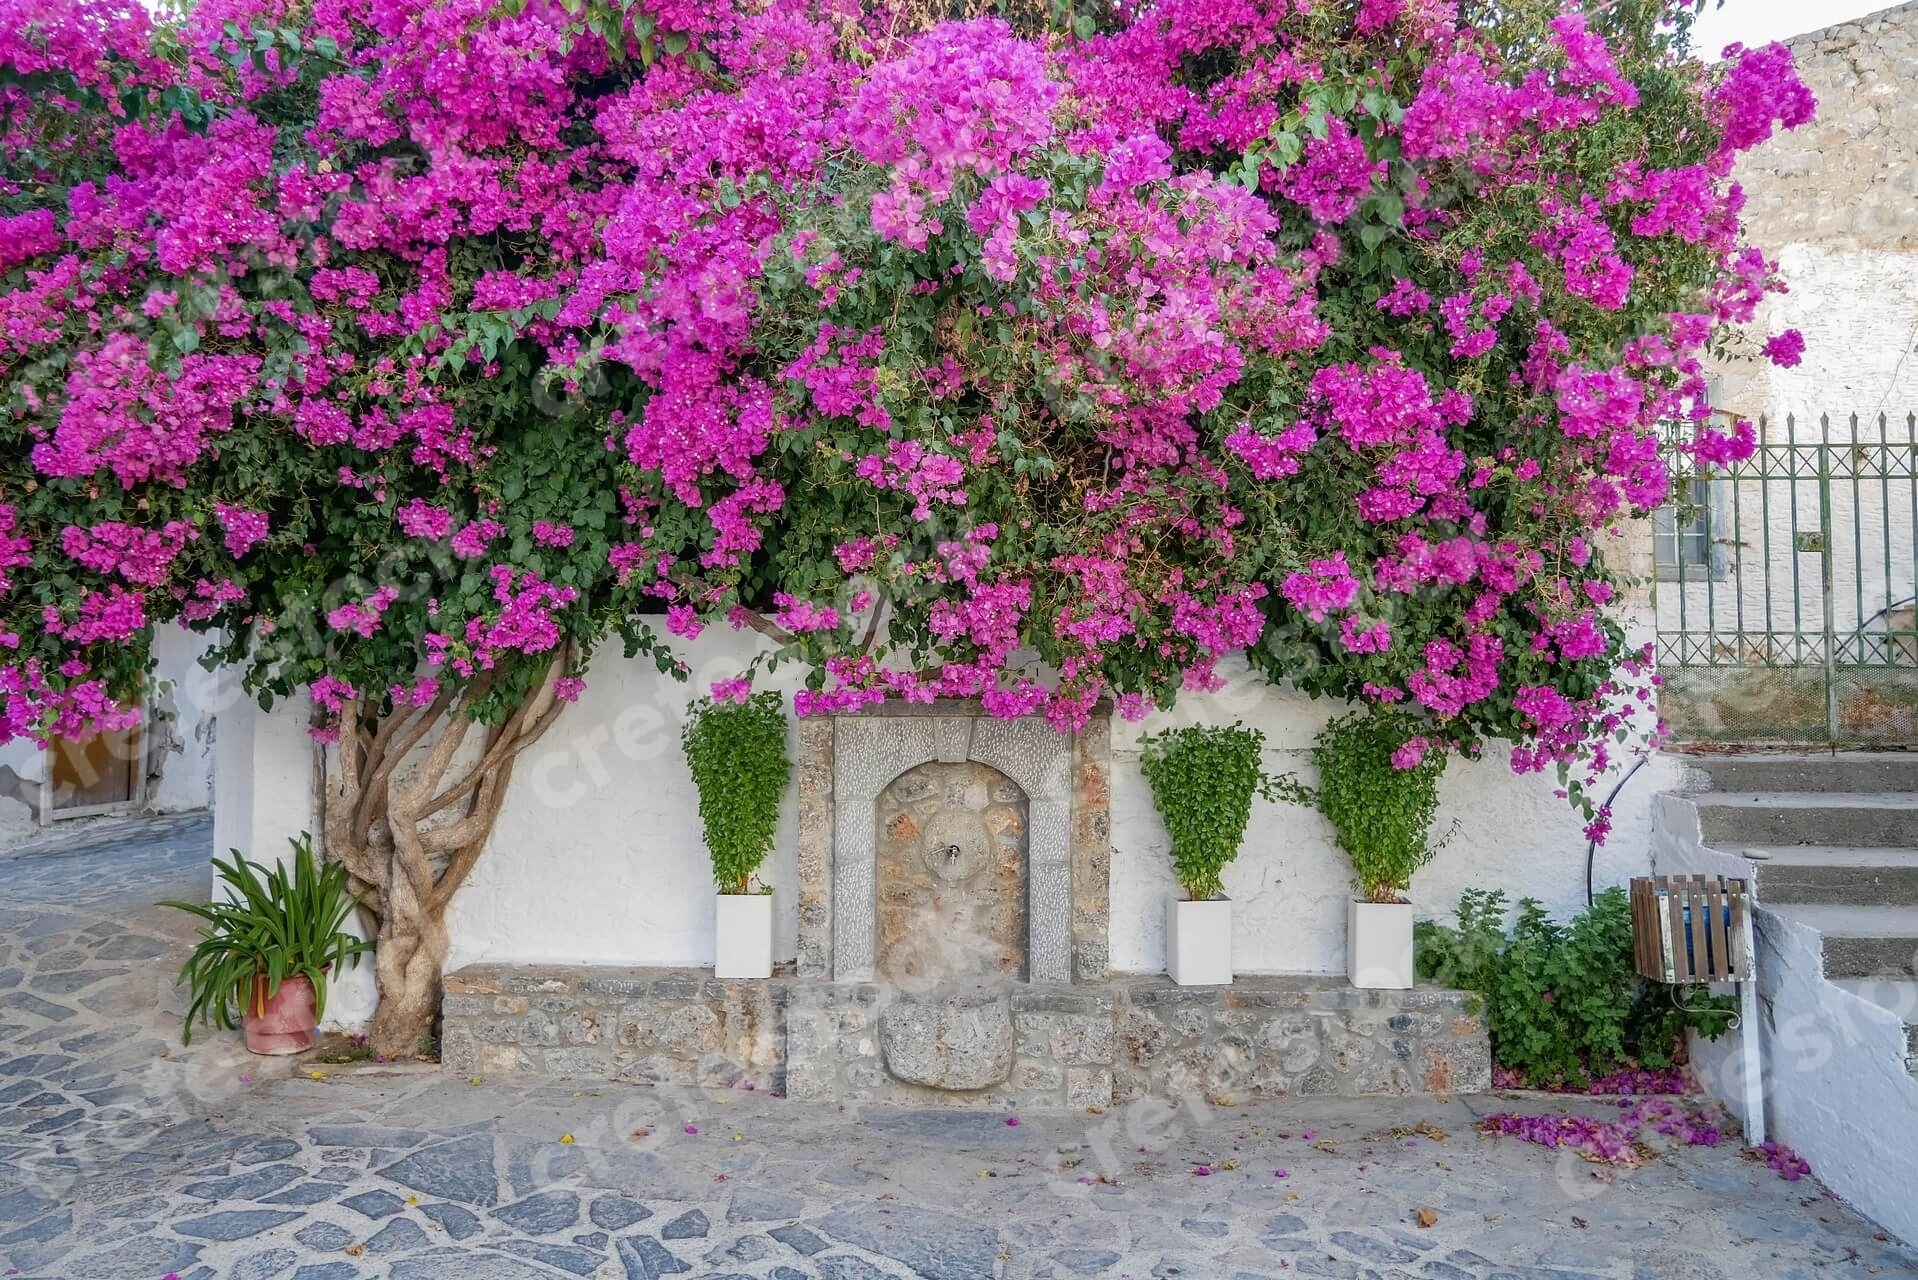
{"x":512,"y":737}
{"x":766,"y":626}
{"x":872,"y":624}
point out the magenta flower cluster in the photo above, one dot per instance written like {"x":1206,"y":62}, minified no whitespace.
{"x":1620,"y":1142}
{"x":1036,"y":366}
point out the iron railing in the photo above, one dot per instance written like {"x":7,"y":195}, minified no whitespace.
{"x":1787,"y":589}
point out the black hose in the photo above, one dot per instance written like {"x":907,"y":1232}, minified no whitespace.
{"x":1591,"y":846}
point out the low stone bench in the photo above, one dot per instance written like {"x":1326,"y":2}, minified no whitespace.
{"x":1014,"y":1044}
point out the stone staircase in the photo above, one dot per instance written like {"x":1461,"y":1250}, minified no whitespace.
{"x":1830,"y":842}
{"x":1833,"y":843}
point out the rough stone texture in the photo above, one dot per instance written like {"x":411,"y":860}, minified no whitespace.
{"x":807,"y":1192}
{"x":953,"y":1045}
{"x":951,"y":873}
{"x":835,"y":1046}
{"x":843,"y":770}
{"x":1836,"y":204}
{"x":1272,"y":1037}
{"x":1850,"y":177}
{"x":1012,"y":1044}
{"x":654,"y":1026}
{"x":1092,"y":850}
{"x":813,"y":771}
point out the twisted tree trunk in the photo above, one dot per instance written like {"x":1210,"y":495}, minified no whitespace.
{"x":408,"y":810}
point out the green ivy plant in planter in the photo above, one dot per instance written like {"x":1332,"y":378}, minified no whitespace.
{"x":267,"y":948}
{"x":1378,"y":787}
{"x":1203,"y":780}
{"x":737,"y":753}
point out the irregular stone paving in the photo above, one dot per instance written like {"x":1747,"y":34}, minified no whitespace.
{"x":126,"y":1157}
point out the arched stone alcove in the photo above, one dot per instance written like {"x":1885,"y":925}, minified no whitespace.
{"x":847,"y":762}
{"x":951,"y":875}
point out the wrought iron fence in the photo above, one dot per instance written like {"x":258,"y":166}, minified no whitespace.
{"x":1787,"y":589}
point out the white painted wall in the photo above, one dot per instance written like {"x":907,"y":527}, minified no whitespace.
{"x":598,"y":858}
{"x":1290,"y":883}
{"x":180,"y":769}
{"x":1835,"y":1085}
{"x":264,"y":765}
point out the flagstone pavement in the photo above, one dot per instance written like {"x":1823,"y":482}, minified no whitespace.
{"x":124,"y":1156}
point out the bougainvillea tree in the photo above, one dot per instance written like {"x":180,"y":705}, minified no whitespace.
{"x":415,"y":348}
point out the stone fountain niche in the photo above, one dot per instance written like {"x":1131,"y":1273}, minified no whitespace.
{"x":951,"y":875}
{"x":940,"y":845}
{"x":953,"y":879}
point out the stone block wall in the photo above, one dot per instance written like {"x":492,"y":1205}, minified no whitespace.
{"x":1036,"y":1047}
{"x":1025,"y":1045}
{"x":644,"y":1026}
{"x":1836,"y":204}
{"x":1273,"y":1037}
{"x":844,"y":764}
{"x":1092,"y":850}
{"x":1850,"y":177}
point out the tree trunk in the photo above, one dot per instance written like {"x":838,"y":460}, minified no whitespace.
{"x":410,"y":836}
{"x":408,"y":965}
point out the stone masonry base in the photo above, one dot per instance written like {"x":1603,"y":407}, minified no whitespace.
{"x":1032,"y":1046}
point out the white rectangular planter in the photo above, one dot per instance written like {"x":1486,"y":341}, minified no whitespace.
{"x":1198,"y":942}
{"x":1378,"y":945}
{"x":743,"y":935}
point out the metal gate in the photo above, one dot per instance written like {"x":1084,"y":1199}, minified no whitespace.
{"x":1786,"y":589}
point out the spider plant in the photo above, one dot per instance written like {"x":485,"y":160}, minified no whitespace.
{"x":273,"y":923}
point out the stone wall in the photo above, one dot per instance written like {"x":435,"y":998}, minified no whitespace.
{"x":643,"y":1026}
{"x":847,"y":763}
{"x":1277,"y":1037}
{"x":1836,"y":203}
{"x":1036,"y":1046}
{"x":1047,"y":1046}
{"x":1850,"y":177}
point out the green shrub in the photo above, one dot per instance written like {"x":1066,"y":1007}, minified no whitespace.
{"x":1203,"y":779}
{"x":1562,"y":1001}
{"x":275,"y":923}
{"x":1381,"y":814}
{"x":737,"y":753}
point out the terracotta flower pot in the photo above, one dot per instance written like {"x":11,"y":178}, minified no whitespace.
{"x":285,"y":1022}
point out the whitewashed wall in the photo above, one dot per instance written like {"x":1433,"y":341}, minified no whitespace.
{"x":597,"y":858}
{"x":1835,"y":204}
{"x":1291,"y":883}
{"x":180,"y":741}
{"x":265,"y":795}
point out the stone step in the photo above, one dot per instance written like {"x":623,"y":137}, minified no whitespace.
{"x":1836,"y":771}
{"x":1836,"y":874}
{"x":1901,"y":998}
{"x":1861,"y":942}
{"x":1732,"y":820}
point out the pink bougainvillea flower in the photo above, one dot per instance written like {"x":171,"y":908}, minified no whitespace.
{"x":958,"y":359}
{"x":1786,"y":350}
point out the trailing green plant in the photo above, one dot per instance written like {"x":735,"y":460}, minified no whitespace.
{"x":1378,"y":787}
{"x":737,"y":753}
{"x":273,"y":924}
{"x":1563,"y":1002}
{"x":1203,"y":779}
